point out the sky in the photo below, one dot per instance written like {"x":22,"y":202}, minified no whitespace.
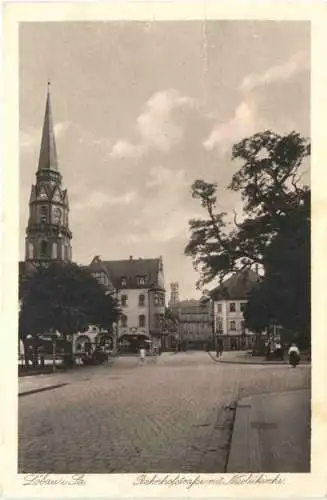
{"x":141,"y":110}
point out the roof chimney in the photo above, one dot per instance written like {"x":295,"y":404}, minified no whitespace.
{"x":131,"y":257}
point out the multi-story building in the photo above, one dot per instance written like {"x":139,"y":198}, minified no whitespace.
{"x":228,"y":301}
{"x":138,"y":284}
{"x":194,"y":325}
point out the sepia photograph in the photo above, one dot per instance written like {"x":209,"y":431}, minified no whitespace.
{"x":164,"y":248}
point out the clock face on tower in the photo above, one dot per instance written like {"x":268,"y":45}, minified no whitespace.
{"x":57,"y":215}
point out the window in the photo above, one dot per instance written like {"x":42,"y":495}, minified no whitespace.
{"x":162,"y":300}
{"x":142,"y":300}
{"x":102,"y":278}
{"x":44,"y":214}
{"x":123,"y":321}
{"x":30,"y":251}
{"x":232,"y":307}
{"x":242,"y":306}
{"x":124,"y":300}
{"x":124,"y":281}
{"x":141,"y":280}
{"x":55,"y":250}
{"x":156,"y":299}
{"x":232,"y":325}
{"x":157,"y":320}
{"x":242,"y":325}
{"x":44,"y":248}
{"x":220,"y":308}
{"x":142,"y":321}
{"x":219,"y":326}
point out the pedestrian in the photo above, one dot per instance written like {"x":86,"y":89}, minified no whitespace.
{"x":42,"y":361}
{"x":279,"y":350}
{"x":294,"y":355}
{"x":142,"y":354}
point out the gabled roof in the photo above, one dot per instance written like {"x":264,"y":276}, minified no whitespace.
{"x":131,"y":269}
{"x":48,"y":152}
{"x":237,"y":286}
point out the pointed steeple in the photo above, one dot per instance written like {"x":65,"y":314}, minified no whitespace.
{"x":48,"y":153}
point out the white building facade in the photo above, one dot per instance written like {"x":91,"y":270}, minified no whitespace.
{"x":228,"y":304}
{"x":138,"y":285}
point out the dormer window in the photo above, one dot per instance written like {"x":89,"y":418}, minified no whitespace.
{"x":124,"y":282}
{"x":141,"y":280}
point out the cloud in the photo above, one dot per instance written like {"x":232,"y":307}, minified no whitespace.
{"x":261,"y":95}
{"x":295,"y":64}
{"x":124,"y":149}
{"x":159,"y":127}
{"x":61,"y":127}
{"x":244,"y":121}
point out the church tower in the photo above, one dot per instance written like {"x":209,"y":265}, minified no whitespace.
{"x":48,"y":238}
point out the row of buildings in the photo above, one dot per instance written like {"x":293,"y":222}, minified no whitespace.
{"x":217,"y":315}
{"x":137,"y":283}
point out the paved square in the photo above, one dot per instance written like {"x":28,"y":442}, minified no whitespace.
{"x":172,"y":416}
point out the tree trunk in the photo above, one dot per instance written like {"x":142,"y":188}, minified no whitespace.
{"x":114,"y":339}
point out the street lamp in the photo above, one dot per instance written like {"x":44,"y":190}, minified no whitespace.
{"x":54,"y":336}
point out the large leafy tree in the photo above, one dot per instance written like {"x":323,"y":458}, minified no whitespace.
{"x":274,"y":231}
{"x":64,"y":298}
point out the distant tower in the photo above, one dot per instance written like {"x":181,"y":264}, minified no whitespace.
{"x":174,"y":293}
{"x":48,"y":237}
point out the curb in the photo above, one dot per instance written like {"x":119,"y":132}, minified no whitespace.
{"x":251,"y":363}
{"x":42,"y":389}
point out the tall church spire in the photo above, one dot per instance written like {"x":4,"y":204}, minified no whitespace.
{"x":48,"y":152}
{"x":48,"y":237}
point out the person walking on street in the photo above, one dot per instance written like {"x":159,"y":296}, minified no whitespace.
{"x":294,"y":355}
{"x":279,"y":349}
{"x":142,"y":354}
{"x":220,"y":348}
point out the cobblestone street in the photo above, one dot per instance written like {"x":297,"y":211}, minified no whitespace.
{"x":171,"y":416}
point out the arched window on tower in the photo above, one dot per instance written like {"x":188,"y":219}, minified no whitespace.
{"x":30,"y":251}
{"x":44,"y":249}
{"x":44,"y":214}
{"x":66,"y":252}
